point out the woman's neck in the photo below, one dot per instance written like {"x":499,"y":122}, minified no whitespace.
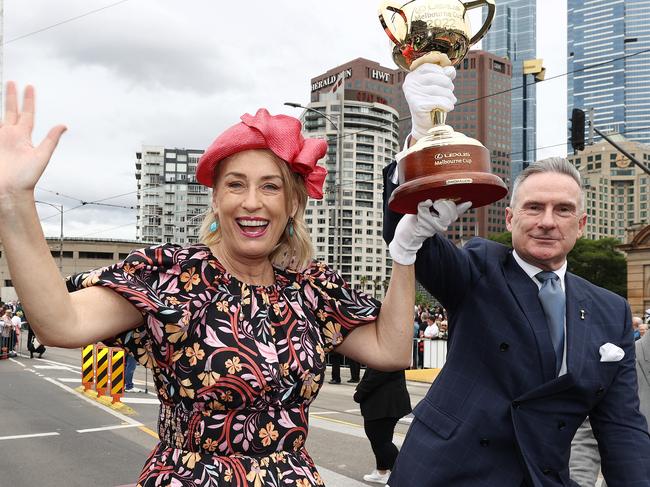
{"x":258,"y":272}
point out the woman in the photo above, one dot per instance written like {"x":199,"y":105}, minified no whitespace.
{"x":384,"y":399}
{"x":236,"y":328}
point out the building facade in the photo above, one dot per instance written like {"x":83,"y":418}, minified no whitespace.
{"x":346,"y":225}
{"x":617,"y":192}
{"x":486,"y":119}
{"x":171,"y":204}
{"x":637,"y":251}
{"x":370,"y":82}
{"x":514,"y":36}
{"x":75,"y":255}
{"x":611,"y":35}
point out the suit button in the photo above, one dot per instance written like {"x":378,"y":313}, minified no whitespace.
{"x":547,"y":471}
{"x":484,"y":442}
{"x":516,"y":404}
{"x":504,"y":347}
{"x":600,"y":390}
{"x":561,"y":425}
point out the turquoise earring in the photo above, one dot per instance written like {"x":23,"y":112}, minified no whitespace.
{"x":290,"y":227}
{"x":213,"y":226}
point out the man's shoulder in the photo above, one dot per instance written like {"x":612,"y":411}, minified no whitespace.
{"x":593,"y":290}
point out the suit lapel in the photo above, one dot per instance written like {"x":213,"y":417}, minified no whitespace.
{"x":578,"y":317}
{"x":526,"y":293}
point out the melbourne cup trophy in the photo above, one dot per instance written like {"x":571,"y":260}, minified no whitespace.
{"x":444,"y":163}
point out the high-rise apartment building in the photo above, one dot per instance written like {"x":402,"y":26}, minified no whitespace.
{"x":513,"y":36}
{"x":346,"y":225}
{"x":171,"y":203}
{"x":487,"y":119}
{"x":611,"y":35}
{"x":617,"y":192}
{"x":368,"y":81}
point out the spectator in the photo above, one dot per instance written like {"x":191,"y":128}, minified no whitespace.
{"x":9,"y":332}
{"x":432,"y":330}
{"x":384,"y":399}
{"x":636,"y":321}
{"x":643,"y":328}
{"x":17,"y":320}
{"x":129,"y":371}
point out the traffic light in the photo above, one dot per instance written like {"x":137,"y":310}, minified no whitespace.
{"x":578,"y":130}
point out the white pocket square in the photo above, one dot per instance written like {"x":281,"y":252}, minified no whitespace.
{"x":611,"y":353}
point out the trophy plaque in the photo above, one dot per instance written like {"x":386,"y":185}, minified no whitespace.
{"x":444,"y":163}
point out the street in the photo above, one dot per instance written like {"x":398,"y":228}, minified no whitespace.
{"x":52,"y":435}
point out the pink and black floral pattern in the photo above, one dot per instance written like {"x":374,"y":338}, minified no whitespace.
{"x":236,"y":366}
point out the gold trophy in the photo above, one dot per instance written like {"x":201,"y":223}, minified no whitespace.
{"x":444,"y":163}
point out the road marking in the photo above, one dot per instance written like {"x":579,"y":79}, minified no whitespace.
{"x":35,"y":435}
{"x":51,"y":367}
{"x":17,"y":362}
{"x":122,"y":417}
{"x":324,"y":412}
{"x":352,"y":410}
{"x":149,"y":431}
{"x":108,"y":428}
{"x":76,"y":368}
{"x":139,"y":400}
{"x":345,"y":427}
{"x":75,"y":380}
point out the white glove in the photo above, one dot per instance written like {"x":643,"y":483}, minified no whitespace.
{"x":425,"y":88}
{"x":413,"y":230}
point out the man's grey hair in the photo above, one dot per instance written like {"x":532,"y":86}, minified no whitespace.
{"x":558,"y":165}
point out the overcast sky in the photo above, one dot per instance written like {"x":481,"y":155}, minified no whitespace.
{"x":172,"y":73}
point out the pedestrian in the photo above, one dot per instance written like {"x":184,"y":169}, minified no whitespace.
{"x":235,"y":328}
{"x":384,"y":399}
{"x":129,"y":371}
{"x":9,"y":332}
{"x":533,"y":349}
{"x":33,"y":344}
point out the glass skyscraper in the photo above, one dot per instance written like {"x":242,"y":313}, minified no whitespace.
{"x":514,"y":36}
{"x":611,"y":35}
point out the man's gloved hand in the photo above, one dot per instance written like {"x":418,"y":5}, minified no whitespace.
{"x":425,"y":88}
{"x":413,"y":230}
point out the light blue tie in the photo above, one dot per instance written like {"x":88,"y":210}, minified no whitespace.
{"x":553,"y":302}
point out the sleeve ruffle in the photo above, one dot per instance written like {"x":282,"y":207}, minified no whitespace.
{"x":337,"y":307}
{"x":138,"y":278}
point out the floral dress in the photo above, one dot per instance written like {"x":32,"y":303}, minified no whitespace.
{"x":236,"y":366}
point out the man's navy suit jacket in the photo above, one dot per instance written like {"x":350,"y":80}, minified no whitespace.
{"x":497,"y":415}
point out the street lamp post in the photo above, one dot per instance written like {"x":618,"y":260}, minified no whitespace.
{"x":338,"y":223}
{"x":58,"y":208}
{"x":536,"y":68}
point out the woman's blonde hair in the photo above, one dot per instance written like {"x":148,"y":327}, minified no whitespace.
{"x":292,"y":251}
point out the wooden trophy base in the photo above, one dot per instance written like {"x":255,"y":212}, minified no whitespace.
{"x":456,"y":172}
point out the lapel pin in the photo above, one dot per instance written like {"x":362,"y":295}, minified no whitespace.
{"x":582,"y":314}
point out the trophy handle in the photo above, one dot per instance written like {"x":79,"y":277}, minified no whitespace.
{"x":488,"y":21}
{"x":388,"y":6}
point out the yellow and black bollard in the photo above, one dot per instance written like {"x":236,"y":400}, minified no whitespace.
{"x":117,"y":374}
{"x":102,"y":370}
{"x":88,"y":367}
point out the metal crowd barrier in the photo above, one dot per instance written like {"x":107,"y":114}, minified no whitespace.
{"x":102,"y":370}
{"x":8,"y":342}
{"x":428,"y":353}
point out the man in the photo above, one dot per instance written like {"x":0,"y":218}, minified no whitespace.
{"x":533,"y":349}
{"x":518,"y":381}
{"x":585,"y":458}
{"x":643,"y":328}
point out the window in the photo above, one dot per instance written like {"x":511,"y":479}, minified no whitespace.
{"x":96,"y":255}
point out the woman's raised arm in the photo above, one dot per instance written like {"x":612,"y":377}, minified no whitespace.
{"x":58,"y":318}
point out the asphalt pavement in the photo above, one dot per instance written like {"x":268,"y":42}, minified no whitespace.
{"x":52,"y":435}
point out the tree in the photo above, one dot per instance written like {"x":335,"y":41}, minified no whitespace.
{"x":598,"y":261}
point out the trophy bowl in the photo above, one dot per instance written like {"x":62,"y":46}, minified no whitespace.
{"x":444,"y":163}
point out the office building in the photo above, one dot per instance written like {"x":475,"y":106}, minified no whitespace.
{"x":611,"y":35}
{"x":617,"y":192}
{"x":171,"y":204}
{"x":486,"y":119}
{"x":513,"y":36}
